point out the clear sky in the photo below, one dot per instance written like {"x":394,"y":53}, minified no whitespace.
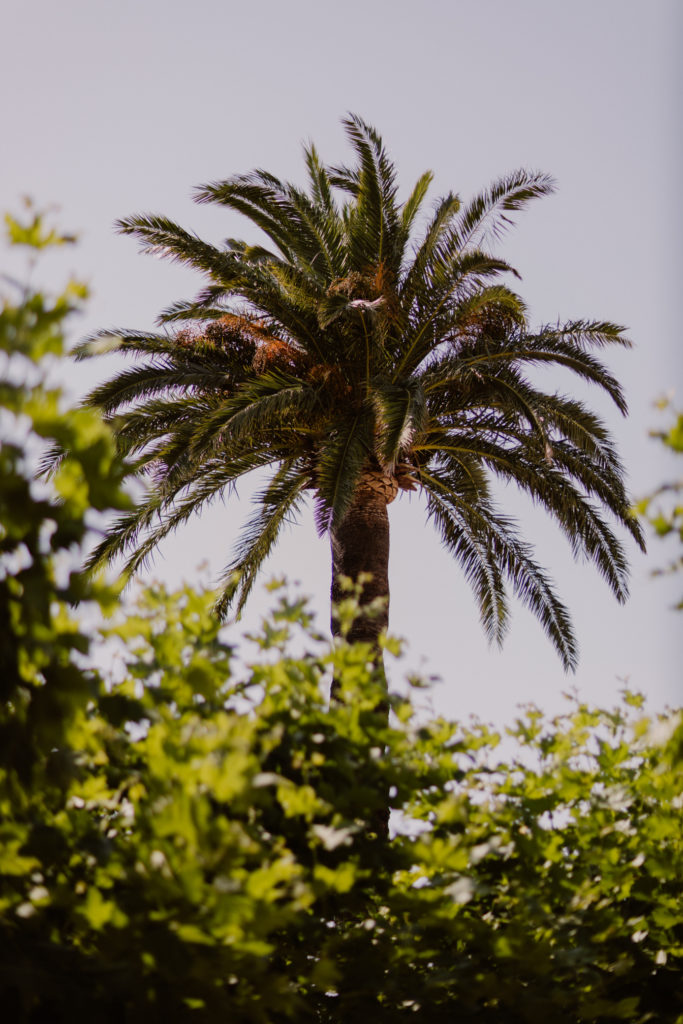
{"x":113,"y":108}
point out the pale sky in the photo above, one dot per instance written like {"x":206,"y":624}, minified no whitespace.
{"x":110,"y":109}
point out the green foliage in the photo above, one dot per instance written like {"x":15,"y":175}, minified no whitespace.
{"x":188,"y":837}
{"x":40,"y":527}
{"x":663,"y":509}
{"x":34,"y":233}
{"x":210,"y":854}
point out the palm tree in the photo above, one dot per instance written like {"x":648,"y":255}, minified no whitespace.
{"x":352,"y":362}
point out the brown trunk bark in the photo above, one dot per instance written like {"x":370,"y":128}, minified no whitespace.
{"x":360,"y":544}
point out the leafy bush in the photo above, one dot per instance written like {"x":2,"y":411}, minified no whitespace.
{"x":188,"y":837}
{"x":663,"y":509}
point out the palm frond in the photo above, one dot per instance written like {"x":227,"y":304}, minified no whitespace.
{"x":104,"y":342}
{"x":489,"y":551}
{"x":339,"y":466}
{"x":158,"y":418}
{"x":159,"y":236}
{"x":275,"y":505}
{"x":447,"y":313}
{"x":581,"y":522}
{"x":413,"y":203}
{"x":588,"y":333}
{"x":445,"y":211}
{"x":136,"y":535}
{"x":471,"y":548}
{"x":257,"y":407}
{"x":319,"y":177}
{"x":372,"y":223}
{"x":203,"y":307}
{"x":401,"y":413}
{"x":161,"y":377}
{"x":262,"y":202}
{"x":487,"y":216}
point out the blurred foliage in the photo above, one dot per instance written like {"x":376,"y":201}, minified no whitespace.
{"x":663,"y":509}
{"x":184,"y":836}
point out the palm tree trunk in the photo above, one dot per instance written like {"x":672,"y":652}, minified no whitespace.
{"x":360,"y":544}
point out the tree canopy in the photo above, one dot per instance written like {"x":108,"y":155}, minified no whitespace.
{"x":363,"y":351}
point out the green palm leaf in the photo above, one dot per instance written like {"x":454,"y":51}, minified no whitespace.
{"x":401,"y":413}
{"x":275,"y":505}
{"x":339,"y":466}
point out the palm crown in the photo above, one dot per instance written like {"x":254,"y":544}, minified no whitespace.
{"x":352,"y":362}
